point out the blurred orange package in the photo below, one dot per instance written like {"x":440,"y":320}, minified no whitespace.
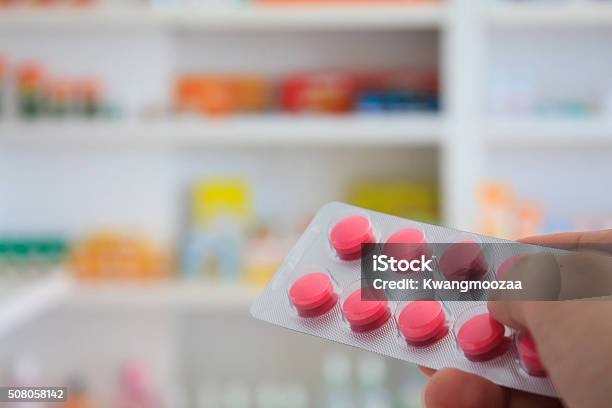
{"x":216,"y":95}
{"x":31,"y":79}
{"x":327,"y":92}
{"x":115,"y":256}
{"x":209,"y":95}
{"x":252,"y":94}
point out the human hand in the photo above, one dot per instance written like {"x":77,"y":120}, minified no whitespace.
{"x":573,"y":338}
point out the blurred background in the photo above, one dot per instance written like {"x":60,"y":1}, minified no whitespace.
{"x":159,"y":158}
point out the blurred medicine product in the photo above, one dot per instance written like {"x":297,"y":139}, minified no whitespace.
{"x":38,"y":93}
{"x":77,"y":396}
{"x":418,"y":200}
{"x":116,"y":255}
{"x":336,"y":381}
{"x":136,"y":388}
{"x":30,"y":89}
{"x":221,"y":212}
{"x":24,"y":257}
{"x":221,"y":94}
{"x":3,"y":84}
{"x":503,"y":215}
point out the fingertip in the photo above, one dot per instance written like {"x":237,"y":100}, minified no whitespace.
{"x":454,"y":388}
{"x":508,"y":313}
{"x":426,"y":370}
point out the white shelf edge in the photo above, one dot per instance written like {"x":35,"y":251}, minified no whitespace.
{"x":542,"y":15}
{"x":232,"y":17}
{"x":283,"y":130}
{"x":163,"y":295}
{"x":549,"y":132}
{"x":31,"y":300}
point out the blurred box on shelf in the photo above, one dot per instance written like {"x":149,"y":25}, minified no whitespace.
{"x":27,"y":256}
{"x":221,"y":94}
{"x":3,"y":83}
{"x":324,"y":91}
{"x":503,"y":215}
{"x":119,"y":256}
{"x":39,"y":93}
{"x":221,"y":211}
{"x":327,"y":92}
{"x":415,"y":200}
{"x":226,"y":239}
{"x":342,"y":92}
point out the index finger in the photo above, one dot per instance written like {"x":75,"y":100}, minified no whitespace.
{"x":597,"y":240}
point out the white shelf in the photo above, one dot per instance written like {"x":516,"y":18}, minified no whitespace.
{"x":550,"y":132}
{"x":21,"y":302}
{"x":362,"y":130}
{"x":233,"y":17}
{"x":164,"y":295}
{"x":543,"y":15}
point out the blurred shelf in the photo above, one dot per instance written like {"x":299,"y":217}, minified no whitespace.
{"x":22,"y":302}
{"x":551,"y":14}
{"x":292,"y":17}
{"x":165,"y":295}
{"x":551,"y":132}
{"x":265,"y":130}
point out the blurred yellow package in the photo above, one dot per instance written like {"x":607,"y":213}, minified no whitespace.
{"x":218,"y":198}
{"x":414,"y":200}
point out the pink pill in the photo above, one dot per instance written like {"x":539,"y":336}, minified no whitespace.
{"x":507,"y":264}
{"x":423,"y":322}
{"x":529,"y":356}
{"x":365,"y":315}
{"x":408,"y":243}
{"x":347,"y":236}
{"x":481,"y":338}
{"x":463,"y":261}
{"x":313,"y":294}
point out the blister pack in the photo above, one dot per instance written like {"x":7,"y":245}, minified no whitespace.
{"x":321,"y":289}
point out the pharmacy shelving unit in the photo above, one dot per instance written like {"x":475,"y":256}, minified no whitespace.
{"x":232,"y":17}
{"x":257,"y":130}
{"x":577,"y":14}
{"x":22,"y":302}
{"x":451,"y":133}
{"x":166,"y":295}
{"x":469,"y":144}
{"x":438,"y":132}
{"x":571,"y":133}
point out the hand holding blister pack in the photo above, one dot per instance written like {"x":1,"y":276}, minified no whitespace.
{"x":421,"y":314}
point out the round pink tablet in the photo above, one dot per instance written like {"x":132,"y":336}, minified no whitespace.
{"x":414,"y":246}
{"x":463,"y":261}
{"x":422,"y":322}
{"x":365,"y":315}
{"x":480,"y":336}
{"x":529,"y":355}
{"x":507,"y":264}
{"x":313,"y":294}
{"x":347,"y":236}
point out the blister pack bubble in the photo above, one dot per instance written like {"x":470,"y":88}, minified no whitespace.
{"x":316,"y":291}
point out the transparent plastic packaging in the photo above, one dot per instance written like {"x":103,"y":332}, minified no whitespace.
{"x":318,"y":290}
